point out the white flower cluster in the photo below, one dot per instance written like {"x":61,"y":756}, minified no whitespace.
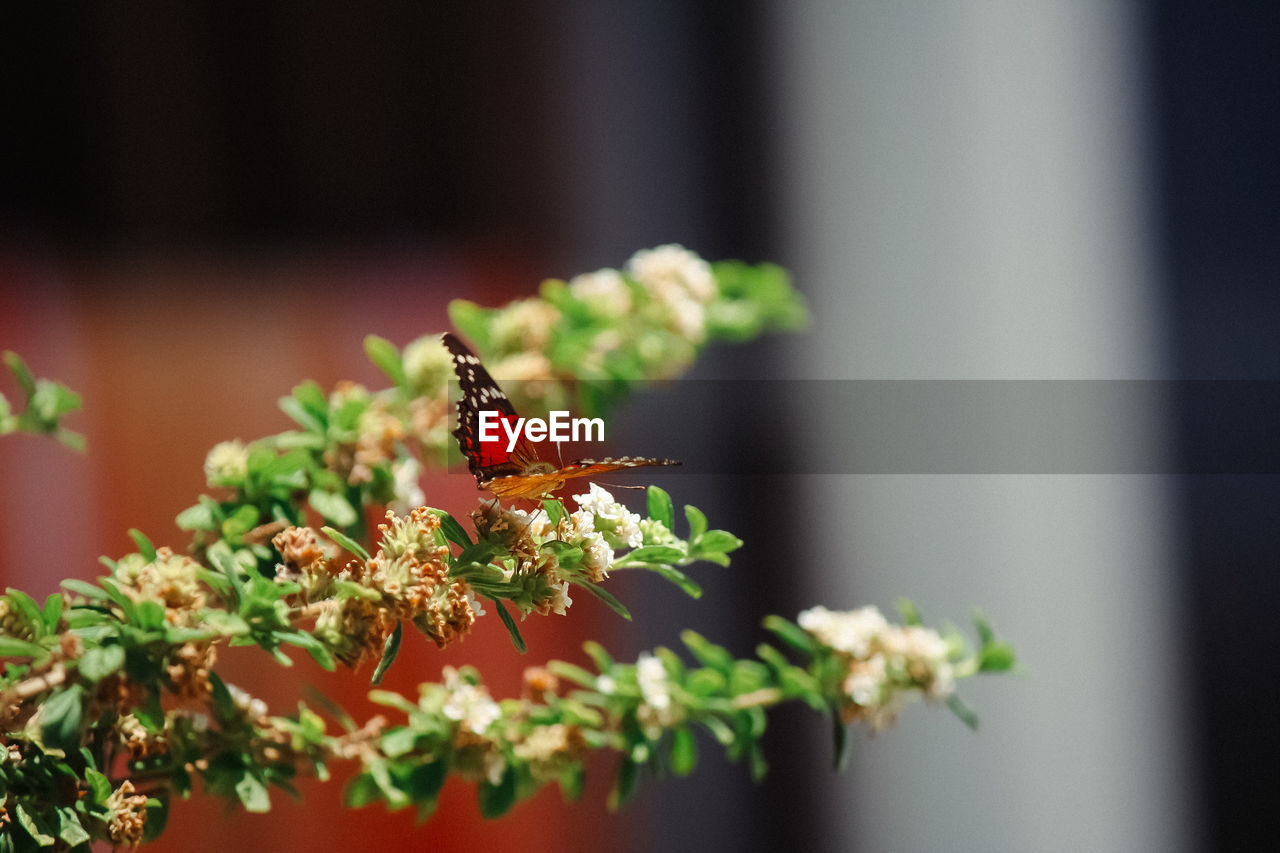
{"x":681,"y":282}
{"x":524,"y":325}
{"x":227,"y":464}
{"x":405,"y":472}
{"x":598,"y":527}
{"x":605,"y":292}
{"x":469,"y":704}
{"x":884,"y":661}
{"x":658,"y":709}
{"x":619,"y":525}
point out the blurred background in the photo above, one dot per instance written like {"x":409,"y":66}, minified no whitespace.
{"x":202,"y":204}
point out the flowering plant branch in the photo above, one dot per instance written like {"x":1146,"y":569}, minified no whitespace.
{"x":110,"y":698}
{"x":45,"y":404}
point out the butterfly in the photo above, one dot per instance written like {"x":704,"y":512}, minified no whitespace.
{"x":520,"y":473}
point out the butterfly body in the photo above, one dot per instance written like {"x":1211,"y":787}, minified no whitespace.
{"x":518,"y":473}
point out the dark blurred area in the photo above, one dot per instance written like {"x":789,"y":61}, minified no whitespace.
{"x":302,"y":174}
{"x":1216,"y":105}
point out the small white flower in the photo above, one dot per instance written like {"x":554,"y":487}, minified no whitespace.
{"x":598,"y":501}
{"x":468,"y":703}
{"x":227,"y":464}
{"x":408,"y":493}
{"x":673,"y":267}
{"x":427,"y":363}
{"x":494,"y":764}
{"x":253,"y":707}
{"x":923,"y":654}
{"x":523,"y":367}
{"x":851,"y":631}
{"x":865,"y":684}
{"x":560,"y":600}
{"x":524,"y":325}
{"x":577,"y":526}
{"x":597,"y":556}
{"x":688,"y":318}
{"x":611,"y":517}
{"x":604,"y":290}
{"x":652,"y":677}
{"x":605,"y":685}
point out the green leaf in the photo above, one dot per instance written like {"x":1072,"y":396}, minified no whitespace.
{"x":996,"y":657}
{"x":53,"y":612}
{"x":21,"y":372}
{"x":389,"y":651}
{"x":908,"y":612}
{"x":605,"y":596}
{"x":790,"y":633}
{"x":677,"y":577}
{"x":239,"y":523}
{"x":12,"y":647}
{"x":361,"y":791}
{"x":555,"y":511}
{"x":573,"y":673}
{"x":599,"y":655}
{"x":253,"y":793}
{"x":516,"y":639}
{"x":38,"y":825}
{"x":32,"y":613}
{"x":333,"y":506}
{"x":60,"y":718}
{"x":624,"y":787}
{"x":425,"y":781}
{"x":346,"y":542}
{"x":101,"y":661}
{"x":716,"y":657}
{"x":684,"y":751}
{"x":149,"y":615}
{"x":453,"y":531}
{"x":399,"y":741}
{"x":985,"y":634}
{"x":145,"y":548}
{"x":655,"y":554}
{"x":571,"y":783}
{"x":298,"y":412}
{"x":388,"y":359}
{"x":313,"y":645}
{"x":71,"y":439}
{"x":196,"y":517}
{"x":966,"y":714}
{"x":697,"y":522}
{"x":840,"y":735}
{"x":661,"y":508}
{"x":70,"y":829}
{"x":382,"y":777}
{"x":86,"y":589}
{"x":718,"y":542}
{"x":99,"y":785}
{"x":472,"y":320}
{"x":497,"y":800}
{"x":157,"y":816}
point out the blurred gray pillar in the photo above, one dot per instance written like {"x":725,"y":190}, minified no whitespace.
{"x":965,"y":200}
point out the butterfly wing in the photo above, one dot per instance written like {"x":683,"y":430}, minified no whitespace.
{"x":490,"y":459}
{"x":534,"y":485}
{"x":592,"y":467}
{"x":519,"y":473}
